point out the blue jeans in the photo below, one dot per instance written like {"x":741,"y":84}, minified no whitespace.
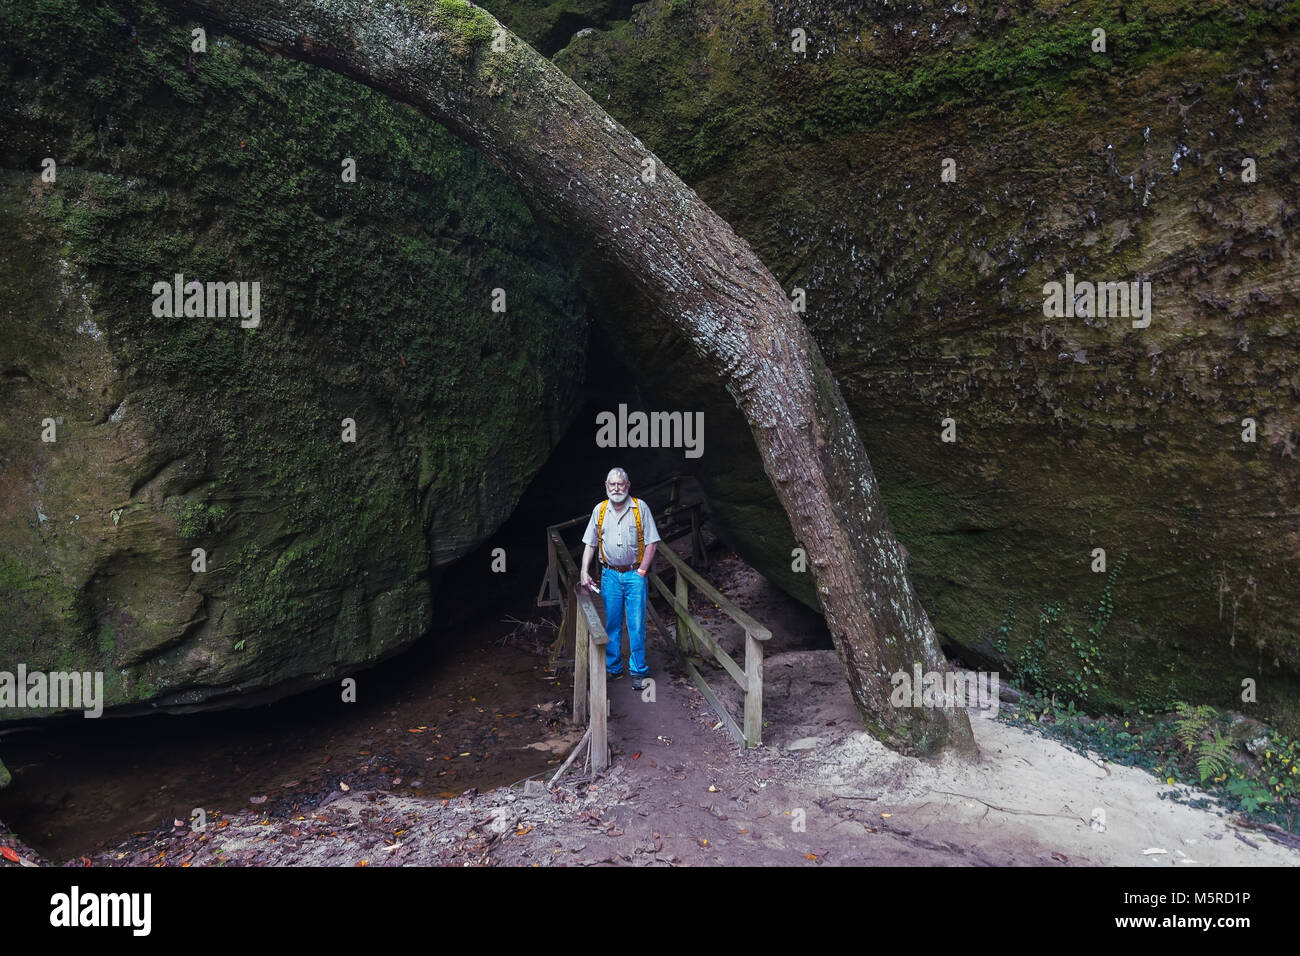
{"x":624,"y":591}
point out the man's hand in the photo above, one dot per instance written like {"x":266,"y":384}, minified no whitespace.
{"x":584,"y":579}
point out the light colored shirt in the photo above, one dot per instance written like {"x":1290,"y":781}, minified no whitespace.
{"x":619,"y":532}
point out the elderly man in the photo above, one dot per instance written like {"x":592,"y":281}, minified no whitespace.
{"x":623,"y":532}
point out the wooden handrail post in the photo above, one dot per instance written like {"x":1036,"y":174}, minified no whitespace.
{"x":552,"y":568}
{"x":599,"y":707}
{"x":697,"y":540}
{"x":754,"y":691}
{"x":581,"y":655}
{"x":683,"y":629}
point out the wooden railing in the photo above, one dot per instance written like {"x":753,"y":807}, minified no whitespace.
{"x":583,"y":623}
{"x":583,"y":629}
{"x":750,"y":678}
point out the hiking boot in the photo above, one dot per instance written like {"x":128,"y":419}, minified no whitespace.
{"x":610,"y":675}
{"x":638,"y":682}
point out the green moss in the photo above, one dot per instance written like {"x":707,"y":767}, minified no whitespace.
{"x":715,"y":88}
{"x":197,"y":519}
{"x":107,"y":641}
{"x":469,"y":26}
{"x":375,"y":306}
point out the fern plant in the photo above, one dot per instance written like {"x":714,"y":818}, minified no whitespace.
{"x":1192,"y":722}
{"x":1214,"y":756}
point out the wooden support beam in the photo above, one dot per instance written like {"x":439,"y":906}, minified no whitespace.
{"x":599,"y":706}
{"x":754,"y":691}
{"x":683,"y":628}
{"x":707,"y":691}
{"x":580,"y":659}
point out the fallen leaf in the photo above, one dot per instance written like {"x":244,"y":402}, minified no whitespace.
{"x":704,"y":842}
{"x":415,"y":730}
{"x":362,"y":863}
{"x":524,"y":831}
{"x":344,"y":787}
{"x":886,"y":815}
{"x":810,"y":856}
{"x":637,"y":755}
{"x":712,"y":789}
{"x":9,"y":854}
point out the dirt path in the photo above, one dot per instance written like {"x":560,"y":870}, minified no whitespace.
{"x":681,"y":792}
{"x":696,"y":799}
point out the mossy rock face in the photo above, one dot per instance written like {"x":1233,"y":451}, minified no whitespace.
{"x":181,"y":433}
{"x":927,"y":298}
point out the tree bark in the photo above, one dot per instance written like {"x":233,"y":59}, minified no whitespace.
{"x":579,"y":167}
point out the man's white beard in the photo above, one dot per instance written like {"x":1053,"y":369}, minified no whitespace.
{"x":618,"y":497}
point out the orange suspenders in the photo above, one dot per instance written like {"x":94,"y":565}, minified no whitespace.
{"x":600,"y":533}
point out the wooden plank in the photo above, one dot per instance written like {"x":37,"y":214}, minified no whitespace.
{"x":587,"y":610}
{"x":705,"y":638}
{"x":569,"y":524}
{"x":707,"y":691}
{"x":576,"y":750}
{"x":568,"y":569}
{"x":580,"y":658}
{"x":731,"y":610}
{"x":599,"y":707}
{"x":754,"y":694}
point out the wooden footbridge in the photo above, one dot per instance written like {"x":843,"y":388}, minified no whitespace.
{"x":582,"y":630}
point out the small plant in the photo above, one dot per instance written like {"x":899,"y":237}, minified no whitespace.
{"x":1192,"y":722}
{"x":197,"y":519}
{"x":1005,"y":628}
{"x":1251,"y":794}
{"x":1213,"y":756}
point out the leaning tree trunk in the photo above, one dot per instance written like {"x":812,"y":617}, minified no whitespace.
{"x":574,"y":163}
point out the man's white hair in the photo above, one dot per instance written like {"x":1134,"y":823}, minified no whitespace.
{"x":621,"y":474}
